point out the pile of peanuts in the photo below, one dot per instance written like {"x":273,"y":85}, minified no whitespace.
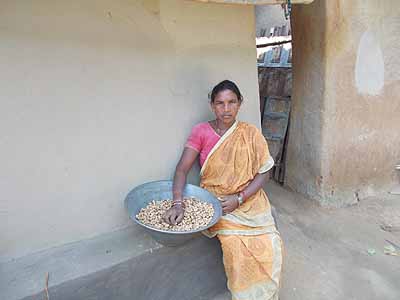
{"x":197,"y":214}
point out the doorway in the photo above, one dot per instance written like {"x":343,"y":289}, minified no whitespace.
{"x":274,"y":62}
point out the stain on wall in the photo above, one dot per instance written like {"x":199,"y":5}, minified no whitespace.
{"x":370,"y":69}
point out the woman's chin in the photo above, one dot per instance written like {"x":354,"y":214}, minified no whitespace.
{"x":228,"y":120}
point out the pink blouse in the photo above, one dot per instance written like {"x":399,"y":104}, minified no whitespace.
{"x":202,"y":139}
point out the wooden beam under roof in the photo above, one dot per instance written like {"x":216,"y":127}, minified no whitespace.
{"x":257,"y":2}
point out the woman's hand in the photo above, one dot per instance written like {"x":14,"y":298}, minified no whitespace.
{"x":229,"y":203}
{"x":174,"y":215}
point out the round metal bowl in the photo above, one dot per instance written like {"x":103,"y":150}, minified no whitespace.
{"x":141,"y":195}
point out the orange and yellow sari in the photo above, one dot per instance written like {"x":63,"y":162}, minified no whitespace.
{"x":251,"y":245}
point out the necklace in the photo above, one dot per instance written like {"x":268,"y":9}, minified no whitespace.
{"x":219,"y":130}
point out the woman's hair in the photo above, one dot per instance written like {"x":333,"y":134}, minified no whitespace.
{"x":225,"y":85}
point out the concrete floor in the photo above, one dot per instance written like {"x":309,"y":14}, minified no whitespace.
{"x":326,"y":249}
{"x":325,"y":258}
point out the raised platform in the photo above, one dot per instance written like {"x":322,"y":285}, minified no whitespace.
{"x":126,"y":264}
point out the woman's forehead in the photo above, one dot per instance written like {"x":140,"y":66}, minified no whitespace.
{"x":225,"y":95}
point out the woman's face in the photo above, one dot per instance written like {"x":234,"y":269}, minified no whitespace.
{"x":226,"y":106}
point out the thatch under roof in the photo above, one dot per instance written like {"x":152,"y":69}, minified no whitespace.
{"x":257,"y":2}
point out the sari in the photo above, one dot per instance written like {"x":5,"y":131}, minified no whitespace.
{"x":251,"y":244}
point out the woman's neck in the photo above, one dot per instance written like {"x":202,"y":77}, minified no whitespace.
{"x":223,"y":126}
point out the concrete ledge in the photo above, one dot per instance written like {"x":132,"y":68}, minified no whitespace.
{"x":126,"y":264}
{"x":26,"y":276}
{"x":191,"y":272}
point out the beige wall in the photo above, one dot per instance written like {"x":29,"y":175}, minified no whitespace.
{"x":305,"y":146}
{"x":98,"y":97}
{"x":345,"y":134}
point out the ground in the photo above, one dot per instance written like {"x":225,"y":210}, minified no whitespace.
{"x":327,"y":249}
{"x":329,"y":254}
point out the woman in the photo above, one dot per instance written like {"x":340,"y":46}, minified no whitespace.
{"x":235,"y":160}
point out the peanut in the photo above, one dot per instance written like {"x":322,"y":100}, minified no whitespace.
{"x":197,"y":214}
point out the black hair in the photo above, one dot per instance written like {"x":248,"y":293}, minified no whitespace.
{"x":225,"y":85}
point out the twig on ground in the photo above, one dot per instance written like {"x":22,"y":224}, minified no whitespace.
{"x":393,"y":244}
{"x":390,"y":228}
{"x":46,"y":288}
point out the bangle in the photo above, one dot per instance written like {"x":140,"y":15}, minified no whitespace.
{"x":178,"y":202}
{"x":240,"y":198}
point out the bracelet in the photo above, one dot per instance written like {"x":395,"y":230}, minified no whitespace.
{"x":240,"y":198}
{"x":178,"y":202}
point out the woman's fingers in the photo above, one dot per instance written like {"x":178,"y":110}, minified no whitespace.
{"x":228,"y":203}
{"x":172,"y":219}
{"x":166,"y":216}
{"x":179,"y":218}
{"x":226,"y":207}
{"x":169,"y":217}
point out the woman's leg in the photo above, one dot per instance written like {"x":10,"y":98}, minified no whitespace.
{"x":252,"y":265}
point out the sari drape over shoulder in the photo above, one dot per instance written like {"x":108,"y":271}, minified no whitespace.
{"x":252,"y":248}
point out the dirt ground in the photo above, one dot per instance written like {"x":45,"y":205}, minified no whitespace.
{"x":329,"y":254}
{"x":338,"y":253}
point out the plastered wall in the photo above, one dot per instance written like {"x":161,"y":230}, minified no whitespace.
{"x":98,"y":97}
{"x":345,"y":130}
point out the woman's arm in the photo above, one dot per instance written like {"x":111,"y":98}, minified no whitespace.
{"x":175,"y":214}
{"x":255,"y":185}
{"x":183,"y":167}
{"x":230,"y":203}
